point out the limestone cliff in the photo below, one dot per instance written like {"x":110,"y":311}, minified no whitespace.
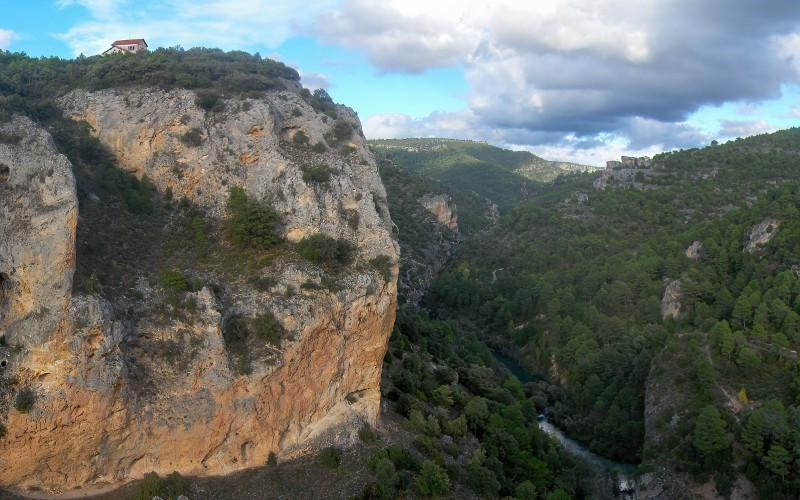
{"x":109,"y":404}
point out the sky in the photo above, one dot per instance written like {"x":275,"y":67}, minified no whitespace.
{"x":574,"y":80}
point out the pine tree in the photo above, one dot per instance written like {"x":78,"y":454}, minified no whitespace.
{"x":709,"y":438}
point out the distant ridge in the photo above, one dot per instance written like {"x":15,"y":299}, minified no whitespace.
{"x":505,"y":177}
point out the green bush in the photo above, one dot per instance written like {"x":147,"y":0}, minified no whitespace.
{"x":267,"y":328}
{"x":383,"y":265}
{"x":367,"y":435}
{"x":209,"y":99}
{"x":192,"y":137}
{"x":319,"y":174}
{"x":319,"y":147}
{"x":353,"y":219}
{"x":331,"y":457}
{"x":25,"y":400}
{"x":300,"y":138}
{"x":250,"y":223}
{"x":173,"y":280}
{"x":168,"y":488}
{"x":342,"y":131}
{"x":323,"y":249}
{"x":432,"y":481}
{"x":272,"y":459}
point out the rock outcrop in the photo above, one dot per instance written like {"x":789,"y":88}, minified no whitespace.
{"x":442,"y":207}
{"x":761,"y":234}
{"x":670,"y":302}
{"x":693,"y":250}
{"x":108,"y":407}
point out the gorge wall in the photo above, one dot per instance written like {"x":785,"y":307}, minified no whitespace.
{"x":108,"y":404}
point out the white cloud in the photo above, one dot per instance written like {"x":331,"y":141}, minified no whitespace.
{"x":5,"y":38}
{"x":313,"y":81}
{"x":551,"y":69}
{"x":227,"y":24}
{"x":731,"y":129}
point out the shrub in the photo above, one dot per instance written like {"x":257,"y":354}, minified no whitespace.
{"x":323,"y":249}
{"x":402,"y":458}
{"x":90,"y":286}
{"x":153,"y":485}
{"x":367,"y":435}
{"x":318,"y":174}
{"x":296,"y":112}
{"x":385,"y":480}
{"x":25,"y":400}
{"x":272,"y":459}
{"x":319,"y":147}
{"x":173,"y":280}
{"x":249,"y":222}
{"x":353,"y":219}
{"x":433,"y":480}
{"x":192,"y":137}
{"x":267,"y":328}
{"x":263,"y":283}
{"x":300,"y":138}
{"x":383,"y":265}
{"x":331,"y":457}
{"x":209,"y":99}
{"x":342,"y":131}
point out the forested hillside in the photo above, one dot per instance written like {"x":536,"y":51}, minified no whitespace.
{"x":574,"y":292}
{"x":505,"y":177}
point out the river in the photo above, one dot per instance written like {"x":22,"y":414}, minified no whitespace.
{"x":623,"y":472}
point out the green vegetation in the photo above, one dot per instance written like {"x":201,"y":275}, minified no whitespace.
{"x":25,"y":400}
{"x":503,"y":176}
{"x":472,"y":423}
{"x":173,"y":280}
{"x":168,"y":488}
{"x":576,"y":290}
{"x":28,"y":85}
{"x":192,"y":137}
{"x":316,"y":173}
{"x":247,"y":339}
{"x":383,"y":265}
{"x":330,"y":457}
{"x":300,"y":138}
{"x":250,"y":223}
{"x":322,"y":249}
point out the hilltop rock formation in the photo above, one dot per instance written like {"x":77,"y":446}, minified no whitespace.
{"x":119,"y":388}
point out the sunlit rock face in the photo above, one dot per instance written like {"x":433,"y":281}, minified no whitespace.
{"x":101,"y":417}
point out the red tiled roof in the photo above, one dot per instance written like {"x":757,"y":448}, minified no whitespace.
{"x":132,"y":41}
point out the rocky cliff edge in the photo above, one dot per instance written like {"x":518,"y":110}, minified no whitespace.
{"x":86,"y":396}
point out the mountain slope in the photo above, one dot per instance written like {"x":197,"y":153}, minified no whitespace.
{"x":505,"y":177}
{"x":574,"y":292}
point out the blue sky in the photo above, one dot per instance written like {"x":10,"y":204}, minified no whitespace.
{"x":581,"y":80}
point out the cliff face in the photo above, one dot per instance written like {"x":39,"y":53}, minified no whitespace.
{"x":109,"y":404}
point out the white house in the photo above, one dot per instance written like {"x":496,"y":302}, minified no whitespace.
{"x":132,"y":46}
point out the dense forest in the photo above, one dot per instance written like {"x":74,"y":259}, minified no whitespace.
{"x":573,"y":292}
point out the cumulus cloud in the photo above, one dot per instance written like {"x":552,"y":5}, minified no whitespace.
{"x":731,"y":129}
{"x":583,"y":68}
{"x":313,"y":81}
{"x":227,"y":24}
{"x":5,"y":38}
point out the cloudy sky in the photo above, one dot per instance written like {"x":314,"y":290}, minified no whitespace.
{"x":581,"y":80}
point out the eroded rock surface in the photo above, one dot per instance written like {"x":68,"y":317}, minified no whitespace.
{"x":442,"y":207}
{"x":108,"y":407}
